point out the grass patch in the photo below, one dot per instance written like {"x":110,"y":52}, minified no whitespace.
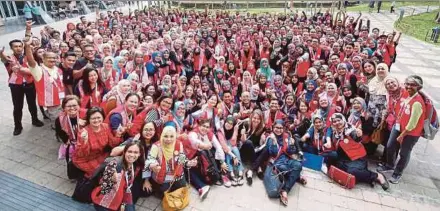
{"x":387,"y":5}
{"x":418,"y":25}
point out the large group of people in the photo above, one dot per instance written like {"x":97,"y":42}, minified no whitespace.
{"x":152,"y":100}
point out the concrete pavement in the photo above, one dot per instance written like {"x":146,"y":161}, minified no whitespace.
{"x":33,"y":155}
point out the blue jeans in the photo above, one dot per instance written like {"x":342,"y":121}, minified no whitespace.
{"x":393,"y":147}
{"x":230,"y":162}
{"x":293,"y":169}
{"x":196,"y":178}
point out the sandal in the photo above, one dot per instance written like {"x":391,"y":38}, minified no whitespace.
{"x":283,"y":199}
{"x":302,"y":180}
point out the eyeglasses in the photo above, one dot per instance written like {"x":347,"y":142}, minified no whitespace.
{"x":380,"y":68}
{"x":279,"y":128}
{"x":411,"y":84}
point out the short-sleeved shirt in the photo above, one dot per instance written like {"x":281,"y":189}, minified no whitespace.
{"x":67,"y":75}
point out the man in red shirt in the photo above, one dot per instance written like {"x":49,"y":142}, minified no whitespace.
{"x":21,"y":84}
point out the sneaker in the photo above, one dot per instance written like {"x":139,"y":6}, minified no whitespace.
{"x":324,"y":169}
{"x":17,"y":131}
{"x":249,"y":177}
{"x":234,"y":182}
{"x":226,"y":181}
{"x":384,"y":168}
{"x":37,"y":123}
{"x":233,"y":179}
{"x":219,"y":183}
{"x":395,"y":179}
{"x":203,"y":192}
{"x":240,"y":181}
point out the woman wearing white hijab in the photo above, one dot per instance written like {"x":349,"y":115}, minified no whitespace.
{"x":377,"y":95}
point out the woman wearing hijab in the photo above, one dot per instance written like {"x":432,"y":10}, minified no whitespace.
{"x":359,"y":119}
{"x":166,"y":163}
{"x":245,"y":84}
{"x":179,"y":114}
{"x":312,"y":74}
{"x":275,"y":56}
{"x":118,"y":92}
{"x":107,"y":73}
{"x":287,"y":156}
{"x":120,"y":119}
{"x":377,"y":95}
{"x":266,"y":70}
{"x":332,"y":95}
{"x":343,"y":134}
{"x":325,"y":110}
{"x":309,"y":92}
{"x":119,"y":66}
{"x":396,"y":94}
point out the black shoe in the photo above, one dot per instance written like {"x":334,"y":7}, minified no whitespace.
{"x":17,"y":131}
{"x":37,"y":123}
{"x":386,"y":185}
{"x":260,"y":175}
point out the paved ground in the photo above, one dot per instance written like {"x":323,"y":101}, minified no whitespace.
{"x":32,"y":156}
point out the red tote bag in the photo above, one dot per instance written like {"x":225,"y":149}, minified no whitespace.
{"x":353,"y":149}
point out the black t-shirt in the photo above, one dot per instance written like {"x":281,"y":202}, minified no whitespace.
{"x":67,"y":75}
{"x":81,"y":62}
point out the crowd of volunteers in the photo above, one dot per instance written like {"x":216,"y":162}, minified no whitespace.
{"x":149,"y":102}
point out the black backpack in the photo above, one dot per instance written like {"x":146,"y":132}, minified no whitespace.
{"x":208,"y":167}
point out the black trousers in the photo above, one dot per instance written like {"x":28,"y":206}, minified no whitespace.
{"x":18,"y":93}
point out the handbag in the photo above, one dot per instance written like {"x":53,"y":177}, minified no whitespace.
{"x":177,"y":199}
{"x":378,"y":134}
{"x":62,"y":151}
{"x":83,"y":190}
{"x":343,"y":178}
{"x":353,"y":149}
{"x":73,"y":172}
{"x":84,"y":186}
{"x":271,"y":181}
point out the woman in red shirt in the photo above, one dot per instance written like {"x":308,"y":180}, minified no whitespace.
{"x":95,"y":142}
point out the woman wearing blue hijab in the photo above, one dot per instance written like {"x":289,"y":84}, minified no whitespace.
{"x":179,"y":115}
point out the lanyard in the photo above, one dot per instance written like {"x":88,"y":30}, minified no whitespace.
{"x":129,"y":183}
{"x":71,"y":128}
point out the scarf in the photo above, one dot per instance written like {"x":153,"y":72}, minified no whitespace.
{"x":355,"y":115}
{"x":309,"y":93}
{"x":168,"y":149}
{"x":179,"y":120}
{"x":267,"y":71}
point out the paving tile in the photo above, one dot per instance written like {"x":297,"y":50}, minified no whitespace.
{"x":306,"y":204}
{"x":370,"y":196}
{"x":387,"y":200}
